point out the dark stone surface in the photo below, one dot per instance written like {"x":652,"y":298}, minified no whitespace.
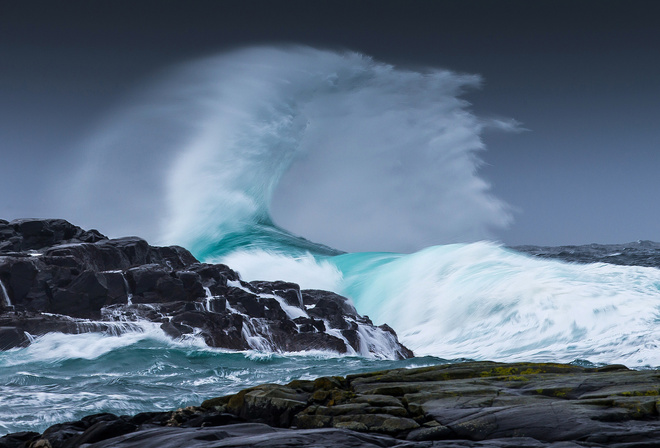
{"x":11,"y":337}
{"x":35,"y":234}
{"x":90,"y":282}
{"x":248,"y":435}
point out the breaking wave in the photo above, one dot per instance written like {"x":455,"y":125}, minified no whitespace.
{"x":255,"y":147}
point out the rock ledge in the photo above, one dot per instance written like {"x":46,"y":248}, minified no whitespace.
{"x":473,"y":404}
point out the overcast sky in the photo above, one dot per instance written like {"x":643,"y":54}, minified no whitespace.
{"x":583,"y":77}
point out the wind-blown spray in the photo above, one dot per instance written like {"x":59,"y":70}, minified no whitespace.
{"x":363,"y":155}
{"x":337,"y":147}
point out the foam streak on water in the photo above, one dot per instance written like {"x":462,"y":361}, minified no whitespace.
{"x":65,"y":377}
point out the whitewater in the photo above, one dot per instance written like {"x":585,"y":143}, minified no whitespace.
{"x":337,"y":172}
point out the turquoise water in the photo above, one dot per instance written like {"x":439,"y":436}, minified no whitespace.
{"x":65,"y":377}
{"x":484,"y":301}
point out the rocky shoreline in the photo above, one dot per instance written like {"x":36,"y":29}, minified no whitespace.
{"x":57,"y":277}
{"x":471,"y":404}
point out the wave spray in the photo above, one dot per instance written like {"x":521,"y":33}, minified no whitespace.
{"x":244,"y":151}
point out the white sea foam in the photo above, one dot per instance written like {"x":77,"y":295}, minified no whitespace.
{"x":207,"y":299}
{"x":304,"y":270}
{"x":53,"y":347}
{"x":127,"y":287}
{"x":59,"y":346}
{"x":485,"y":302}
{"x":376,"y":343}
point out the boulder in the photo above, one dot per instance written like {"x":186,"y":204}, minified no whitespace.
{"x":271,"y":404}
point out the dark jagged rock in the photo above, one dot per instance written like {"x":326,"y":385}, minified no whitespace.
{"x":34,"y":234}
{"x":56,"y":277}
{"x":15,"y":327}
{"x":475,"y":404}
{"x":11,"y":337}
{"x":290,"y":292}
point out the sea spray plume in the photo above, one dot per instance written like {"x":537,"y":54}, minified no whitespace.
{"x":357,"y":145}
{"x":117,"y":180}
{"x":343,"y":145}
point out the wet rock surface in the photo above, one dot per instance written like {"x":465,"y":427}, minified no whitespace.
{"x":474,"y":404}
{"x":57,"y":277}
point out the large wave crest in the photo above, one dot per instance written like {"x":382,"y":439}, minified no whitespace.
{"x":337,"y":147}
{"x":235,"y":155}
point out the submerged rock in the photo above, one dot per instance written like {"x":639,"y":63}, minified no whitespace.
{"x":55,"y":276}
{"x":475,"y":404}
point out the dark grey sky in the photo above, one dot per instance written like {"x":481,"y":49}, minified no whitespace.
{"x":582,"y":76}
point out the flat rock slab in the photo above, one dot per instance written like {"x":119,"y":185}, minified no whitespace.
{"x":246,"y":435}
{"x":260,"y":435}
{"x":482,"y":401}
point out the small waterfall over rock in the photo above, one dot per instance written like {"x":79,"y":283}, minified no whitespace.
{"x":129,"y":294}
{"x":207,"y":299}
{"x":5,"y":295}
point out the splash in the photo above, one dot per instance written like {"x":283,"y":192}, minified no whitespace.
{"x":482,"y":301}
{"x":337,"y":147}
{"x":263,"y":144}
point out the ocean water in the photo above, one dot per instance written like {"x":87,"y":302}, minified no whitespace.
{"x":65,"y":377}
{"x":241,"y":153}
{"x":448,"y":303}
{"x":485,"y":301}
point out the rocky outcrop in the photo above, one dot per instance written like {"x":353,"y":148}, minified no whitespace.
{"x":55,"y":276}
{"x":474,"y":404}
{"x":23,"y":235}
